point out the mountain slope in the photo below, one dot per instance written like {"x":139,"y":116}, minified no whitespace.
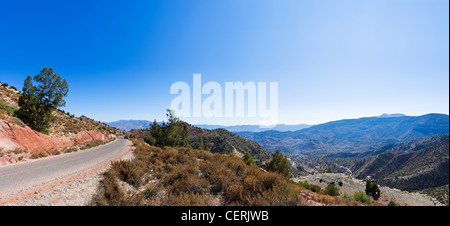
{"x":226,"y":142}
{"x":352,"y":135}
{"x":414,"y":165}
{"x":256,"y":128}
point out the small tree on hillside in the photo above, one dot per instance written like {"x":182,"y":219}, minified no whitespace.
{"x":39,"y":100}
{"x":372,"y":190}
{"x":248,"y":159}
{"x":332,"y":189}
{"x":200,"y":145}
{"x":279,"y":164}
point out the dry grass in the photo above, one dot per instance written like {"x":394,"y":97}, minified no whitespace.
{"x":188,"y":177}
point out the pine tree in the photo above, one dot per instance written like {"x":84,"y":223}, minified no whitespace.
{"x":173,"y":133}
{"x":200,"y":145}
{"x":248,"y":159}
{"x":372,"y":189}
{"x":279,"y":164}
{"x":38,"y":101}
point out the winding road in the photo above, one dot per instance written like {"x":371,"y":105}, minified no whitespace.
{"x":22,"y":179}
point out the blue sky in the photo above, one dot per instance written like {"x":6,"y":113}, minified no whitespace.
{"x":332,"y":59}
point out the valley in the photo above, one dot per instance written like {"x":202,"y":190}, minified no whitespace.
{"x":351,"y":135}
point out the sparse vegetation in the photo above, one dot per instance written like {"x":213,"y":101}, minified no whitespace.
{"x":38,"y":155}
{"x":11,"y":110}
{"x":184,"y":176}
{"x":440,"y":193}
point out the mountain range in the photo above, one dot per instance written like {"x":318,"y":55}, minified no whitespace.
{"x":351,"y":135}
{"x":256,"y":128}
{"x":128,"y":125}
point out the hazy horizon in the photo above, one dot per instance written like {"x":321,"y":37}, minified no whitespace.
{"x":278,"y":123}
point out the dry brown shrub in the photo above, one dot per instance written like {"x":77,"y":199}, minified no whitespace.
{"x":234,"y":193}
{"x":328,"y":200}
{"x":182,"y":176}
{"x":110,"y":193}
{"x":191,"y":184}
{"x":280,"y":195}
{"x":218,"y":176}
{"x":188,"y":199}
{"x":252,"y":184}
{"x":128,"y":171}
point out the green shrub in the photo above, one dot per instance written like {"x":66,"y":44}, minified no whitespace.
{"x":248,"y":159}
{"x":38,"y":155}
{"x":360,"y":196}
{"x":332,"y":189}
{"x":311,"y":187}
{"x":347,"y":197}
{"x":392,"y":203}
{"x":10,"y":109}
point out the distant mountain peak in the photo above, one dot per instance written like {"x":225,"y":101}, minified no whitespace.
{"x":128,"y":125}
{"x":385,"y":115}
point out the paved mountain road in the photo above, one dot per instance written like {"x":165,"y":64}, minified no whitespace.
{"x":23,"y":178}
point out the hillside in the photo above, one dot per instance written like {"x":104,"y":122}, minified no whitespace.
{"x":179,"y":176}
{"x":67,"y":133}
{"x":352,"y":135}
{"x":225,"y":142}
{"x":219,"y":141}
{"x":415,"y":165}
{"x":349,"y":185}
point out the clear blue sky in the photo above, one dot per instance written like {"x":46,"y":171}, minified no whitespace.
{"x":332,"y":59}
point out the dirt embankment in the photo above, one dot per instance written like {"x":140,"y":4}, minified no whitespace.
{"x":18,"y":143}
